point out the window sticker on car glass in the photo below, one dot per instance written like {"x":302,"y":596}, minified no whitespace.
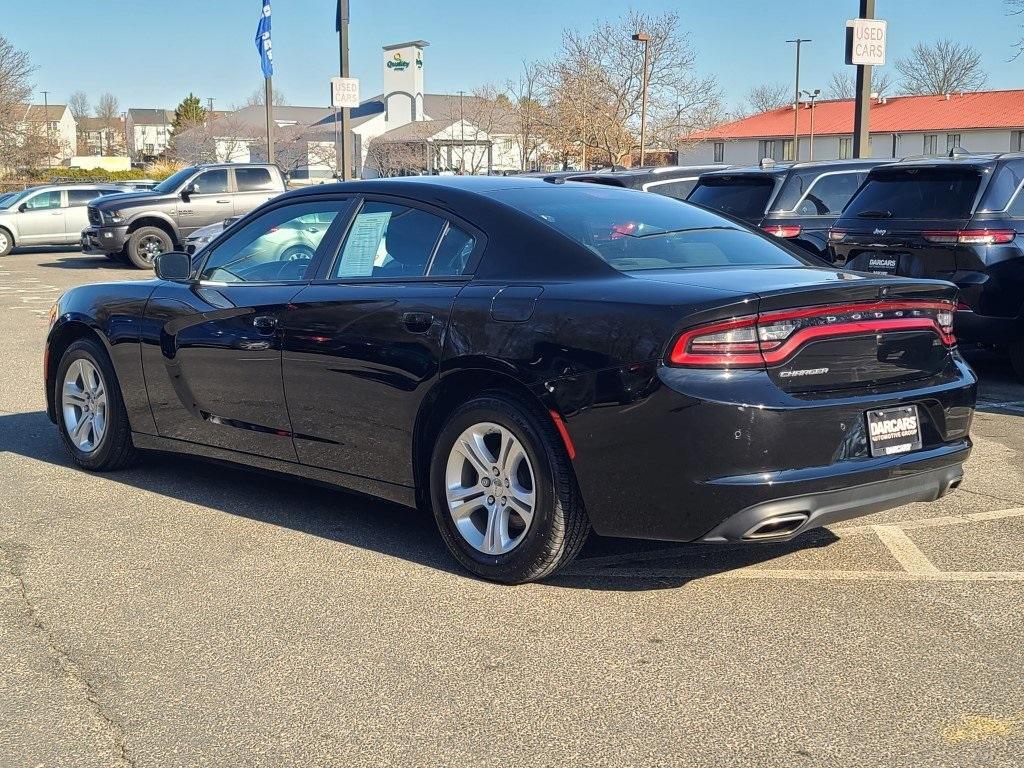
{"x":361,"y":246}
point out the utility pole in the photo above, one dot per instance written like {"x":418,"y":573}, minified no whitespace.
{"x":462,"y":126}
{"x":347,"y":161}
{"x":862,"y":105}
{"x":46,"y":122}
{"x":643,"y":37}
{"x":796,"y":99}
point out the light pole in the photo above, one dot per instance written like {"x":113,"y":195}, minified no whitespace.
{"x":796,"y":99}
{"x":46,"y":123}
{"x":643,"y":37}
{"x":812,"y":95}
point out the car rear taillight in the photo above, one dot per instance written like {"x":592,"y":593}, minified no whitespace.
{"x":970,"y":236}
{"x":772,"y":338}
{"x":836,"y":235}
{"x":783,"y":230}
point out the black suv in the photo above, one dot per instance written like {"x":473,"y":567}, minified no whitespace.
{"x":958,"y":219}
{"x":671,"y":180}
{"x":794,"y":201}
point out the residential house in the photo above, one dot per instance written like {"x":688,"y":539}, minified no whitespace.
{"x":900,"y":126}
{"x":148,"y":132}
{"x":59,"y":126}
{"x":101,"y":137}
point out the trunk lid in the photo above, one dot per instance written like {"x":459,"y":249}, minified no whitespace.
{"x":822,"y":330}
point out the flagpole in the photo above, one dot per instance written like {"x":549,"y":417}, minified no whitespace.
{"x":268,"y":98}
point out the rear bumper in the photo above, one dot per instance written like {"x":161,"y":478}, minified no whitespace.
{"x":783,"y":519}
{"x":697,"y":455}
{"x":96,"y":240}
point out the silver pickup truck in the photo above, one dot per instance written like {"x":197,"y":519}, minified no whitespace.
{"x":138,"y":226}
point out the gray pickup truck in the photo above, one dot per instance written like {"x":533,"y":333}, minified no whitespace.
{"x":136,"y":227}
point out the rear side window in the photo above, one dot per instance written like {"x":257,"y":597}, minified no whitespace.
{"x":823,"y":194}
{"x":388,"y":240}
{"x":917,"y":193}
{"x":677,"y":189}
{"x":640,"y":231}
{"x":1003,"y":187}
{"x":743,"y":196}
{"x":253,"y":180}
{"x":78,"y":197}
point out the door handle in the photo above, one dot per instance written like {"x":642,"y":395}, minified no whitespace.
{"x":264,"y":323}
{"x":223,"y":202}
{"x":57,"y":213}
{"x":417,"y":322}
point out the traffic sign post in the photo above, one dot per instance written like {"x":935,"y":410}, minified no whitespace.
{"x":865,"y":47}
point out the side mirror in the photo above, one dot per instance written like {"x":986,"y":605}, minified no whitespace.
{"x":188,"y":191}
{"x":173,"y":265}
{"x":23,"y":207}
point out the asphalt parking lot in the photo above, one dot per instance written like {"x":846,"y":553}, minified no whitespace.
{"x":184,"y":614}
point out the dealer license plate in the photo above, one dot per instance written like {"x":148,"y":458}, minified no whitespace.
{"x":884,"y":265}
{"x":894,"y":430}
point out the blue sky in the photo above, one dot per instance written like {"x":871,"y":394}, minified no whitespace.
{"x":152,"y":53}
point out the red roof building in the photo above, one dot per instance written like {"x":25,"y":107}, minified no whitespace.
{"x":985,"y":121}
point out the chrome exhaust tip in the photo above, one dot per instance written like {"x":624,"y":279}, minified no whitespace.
{"x":952,"y":485}
{"x":777,"y":527}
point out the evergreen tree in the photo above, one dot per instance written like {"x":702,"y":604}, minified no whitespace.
{"x":188,"y":114}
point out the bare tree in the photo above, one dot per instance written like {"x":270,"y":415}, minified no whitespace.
{"x":768,"y":96}
{"x":601,"y":73}
{"x":107,"y":107}
{"x":79,"y":105}
{"x":527,"y":112}
{"x":1016,"y":8}
{"x":192,"y":144}
{"x":23,"y":143}
{"x":941,"y":67}
{"x":843,"y":85}
{"x":396,"y":158}
{"x":257,"y":98}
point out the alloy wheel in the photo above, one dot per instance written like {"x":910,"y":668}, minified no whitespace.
{"x":84,"y":405}
{"x":150,"y":247}
{"x":490,"y":488}
{"x":4,"y":242}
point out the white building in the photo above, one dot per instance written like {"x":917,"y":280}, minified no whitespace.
{"x":421,"y":132}
{"x":901,"y":126}
{"x":59,"y":126}
{"x":148,"y":132}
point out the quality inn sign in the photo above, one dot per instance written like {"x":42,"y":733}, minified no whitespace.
{"x":398,"y":63}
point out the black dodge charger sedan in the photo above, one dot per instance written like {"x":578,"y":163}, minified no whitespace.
{"x":530,"y":359}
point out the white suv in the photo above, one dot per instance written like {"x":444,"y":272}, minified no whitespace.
{"x":49,"y":215}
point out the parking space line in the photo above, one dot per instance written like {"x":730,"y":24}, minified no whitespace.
{"x":935,"y":522}
{"x":906,"y":552}
{"x":797,"y":574}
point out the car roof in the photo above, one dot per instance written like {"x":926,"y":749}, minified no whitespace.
{"x":981,"y":160}
{"x":779,"y":170}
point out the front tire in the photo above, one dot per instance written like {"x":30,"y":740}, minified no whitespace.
{"x":145,"y":244}
{"x":503,"y":491}
{"x":91,"y":416}
{"x":6,"y":242}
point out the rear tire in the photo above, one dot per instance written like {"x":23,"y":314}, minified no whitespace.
{"x":145,"y":244}
{"x":1017,"y":358}
{"x":87,"y":395}
{"x":6,"y":242}
{"x":542,"y":475}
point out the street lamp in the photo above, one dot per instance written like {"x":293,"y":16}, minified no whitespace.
{"x":643,"y":37}
{"x":796,"y":98}
{"x":812,"y":95}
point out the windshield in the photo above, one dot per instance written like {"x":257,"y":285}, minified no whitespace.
{"x":13,"y":198}
{"x":171,"y":183}
{"x":742,"y":196}
{"x":916,"y":193}
{"x":635,"y":231}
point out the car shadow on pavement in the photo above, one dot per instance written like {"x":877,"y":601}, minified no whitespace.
{"x":83,"y":261}
{"x":384,"y":527}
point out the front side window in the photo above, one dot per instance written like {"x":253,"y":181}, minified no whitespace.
{"x":277,"y":247}
{"x":211,"y":182}
{"x":253,"y":180}
{"x":43,"y":201}
{"x":388,"y":240}
{"x":635,"y":233}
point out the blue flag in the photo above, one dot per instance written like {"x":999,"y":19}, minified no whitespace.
{"x":263,"y":41}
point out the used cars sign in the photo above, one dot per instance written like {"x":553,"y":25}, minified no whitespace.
{"x":865,"y":42}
